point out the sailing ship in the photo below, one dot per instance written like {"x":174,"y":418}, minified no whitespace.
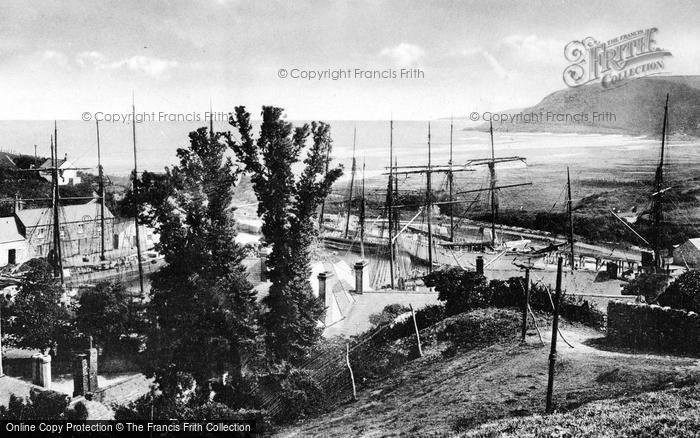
{"x":404,"y":250}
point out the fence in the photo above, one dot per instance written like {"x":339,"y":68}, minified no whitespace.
{"x":646,"y":326}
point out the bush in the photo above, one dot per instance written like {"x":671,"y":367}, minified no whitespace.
{"x":430,"y":315}
{"x":300,"y":394}
{"x":387,"y":315}
{"x":683,"y":293}
{"x":461,"y":290}
{"x":41,"y":405}
{"x":650,"y":286}
{"x":477,"y":328}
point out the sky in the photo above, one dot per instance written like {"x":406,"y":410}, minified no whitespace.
{"x":61,"y":59}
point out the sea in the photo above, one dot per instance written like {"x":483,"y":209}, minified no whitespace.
{"x":590,"y":157}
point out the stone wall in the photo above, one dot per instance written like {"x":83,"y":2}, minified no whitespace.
{"x":124,"y":391}
{"x":644,"y":326}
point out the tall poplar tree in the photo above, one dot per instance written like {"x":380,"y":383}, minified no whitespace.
{"x":287,"y":206}
{"x":203,"y":311}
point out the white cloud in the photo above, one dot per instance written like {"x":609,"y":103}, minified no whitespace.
{"x":151,"y":66}
{"x":91,"y":59}
{"x":404,"y":55}
{"x":55,"y":57}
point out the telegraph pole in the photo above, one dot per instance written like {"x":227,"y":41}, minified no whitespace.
{"x":450,"y":180}
{"x":526,"y":305}
{"x":555,"y":331}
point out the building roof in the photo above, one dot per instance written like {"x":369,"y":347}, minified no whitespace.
{"x":46,"y":164}
{"x":9,"y":231}
{"x":35,"y":217}
{"x":20,"y":388}
{"x":695,"y":242}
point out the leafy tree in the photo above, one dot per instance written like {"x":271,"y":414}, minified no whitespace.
{"x":104,"y":314}
{"x":683,"y":292}
{"x":38,"y":318}
{"x":203,"y":310}
{"x":287,"y":205}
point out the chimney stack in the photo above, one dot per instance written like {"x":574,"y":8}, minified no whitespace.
{"x":322,"y":284}
{"x":361,"y":276}
{"x":41,"y":370}
{"x":85,"y":371}
{"x":480,"y":265}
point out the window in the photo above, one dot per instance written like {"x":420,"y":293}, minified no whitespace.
{"x":63,"y":232}
{"x":81,"y":228}
{"x":40,"y":233}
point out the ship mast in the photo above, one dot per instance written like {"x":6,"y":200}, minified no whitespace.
{"x":492,"y":186}
{"x":570,"y":209}
{"x":58,"y":264}
{"x":389,"y":202}
{"x":101,"y":189}
{"x":323,"y":203}
{"x":362,"y":215}
{"x":352,"y":182}
{"x":658,"y":194}
{"x":136,"y":197}
{"x":428,"y":202}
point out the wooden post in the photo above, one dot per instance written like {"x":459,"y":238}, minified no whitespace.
{"x":352,"y":376}
{"x":555,"y":330}
{"x":415,"y":326}
{"x":526,"y":304}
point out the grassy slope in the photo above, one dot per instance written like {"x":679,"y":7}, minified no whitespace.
{"x":437,"y":394}
{"x":674,"y":412}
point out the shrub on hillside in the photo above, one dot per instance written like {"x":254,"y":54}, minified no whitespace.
{"x":683,"y":293}
{"x":387,"y":315}
{"x":461,"y":290}
{"x":480,"y":328}
{"x":300,"y":394}
{"x":465,"y":290}
{"x":649,"y":285}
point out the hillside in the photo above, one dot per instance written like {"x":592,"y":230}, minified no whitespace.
{"x":674,"y":412}
{"x":452,"y":391}
{"x":637,"y":107}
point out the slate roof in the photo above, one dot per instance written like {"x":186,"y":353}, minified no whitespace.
{"x":33,"y":217}
{"x":695,"y":242}
{"x":46,"y":164}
